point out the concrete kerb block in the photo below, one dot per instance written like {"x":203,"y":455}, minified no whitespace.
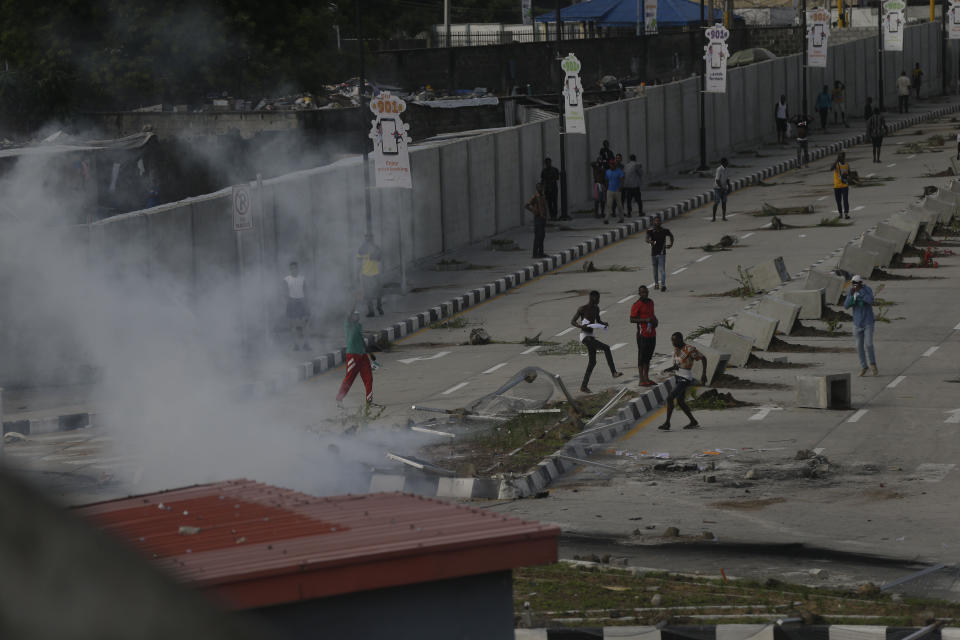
{"x":381,"y":482}
{"x":911,"y":226}
{"x":857,"y":261}
{"x":729,"y":341}
{"x":716,"y":360}
{"x":896,"y":235}
{"x":885,"y":249}
{"x":784,"y":312}
{"x":831,"y":283}
{"x":824,"y":392}
{"x":758,"y":328}
{"x":769,"y":275}
{"x":926,"y":217}
{"x":945,"y":210}
{"x":810,"y":302}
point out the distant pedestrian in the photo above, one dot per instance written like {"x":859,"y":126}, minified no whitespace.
{"x":642,"y":314}
{"x":550,"y":178}
{"x":614,"y":177}
{"x":371,"y":286}
{"x":823,"y":105}
{"x":587,"y":319}
{"x":606,"y":153}
{"x":781,"y":113}
{"x":877,"y":129}
{"x":684,"y":355}
{"x":868,"y":108}
{"x":917,"y":78}
{"x":358,"y":360}
{"x":841,"y":185}
{"x":298,"y":312}
{"x":632,"y":184}
{"x":958,"y":146}
{"x":537,"y":205}
{"x":903,"y":92}
{"x":860,"y":299}
{"x":721,"y":187}
{"x":599,"y":169}
{"x":803,"y":149}
{"x":657,"y":239}
{"x":838,"y":98}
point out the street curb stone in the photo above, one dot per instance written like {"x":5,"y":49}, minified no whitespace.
{"x":768,"y":631}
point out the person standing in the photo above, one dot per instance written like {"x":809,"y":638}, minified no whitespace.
{"x":369,"y":258}
{"x":358,"y":360}
{"x":868,"y":108}
{"x":684,"y":355}
{"x":614,"y":177}
{"x":642,"y":314}
{"x":823,"y":105}
{"x":298,"y":312}
{"x":537,"y":205}
{"x":721,"y":187}
{"x":599,"y":188}
{"x":837,"y":97}
{"x":860,"y":299}
{"x":841,"y":185}
{"x":903,"y":92}
{"x":550,"y":178}
{"x":587,"y":319}
{"x":781,"y":114}
{"x":803,"y":149}
{"x":657,"y":239}
{"x":877,"y":129}
{"x":632,"y":183}
{"x":917,"y":78}
{"x":606,"y":154}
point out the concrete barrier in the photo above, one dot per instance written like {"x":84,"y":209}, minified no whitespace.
{"x":885,"y":249}
{"x":911,"y":226}
{"x":894,"y":234}
{"x":945,"y":210}
{"x":810,"y":302}
{"x":831,"y":283}
{"x":927,"y":218}
{"x":716,"y":360}
{"x":729,"y":341}
{"x":769,"y":275}
{"x":824,"y":392}
{"x":758,"y":328}
{"x":857,"y":261}
{"x":785,"y":313}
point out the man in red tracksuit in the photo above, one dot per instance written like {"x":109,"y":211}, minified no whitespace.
{"x":358,"y":360}
{"x":643,"y":316}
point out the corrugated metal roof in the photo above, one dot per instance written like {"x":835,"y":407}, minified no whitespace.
{"x":255,"y":545}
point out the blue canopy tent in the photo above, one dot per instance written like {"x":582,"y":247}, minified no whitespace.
{"x":623,"y":13}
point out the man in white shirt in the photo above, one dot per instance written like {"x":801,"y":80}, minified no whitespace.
{"x":903,"y":92}
{"x":721,"y":187}
{"x":298,"y":313}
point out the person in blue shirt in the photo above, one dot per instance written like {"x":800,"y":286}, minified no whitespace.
{"x":860,"y":299}
{"x":824,"y":104}
{"x":614,"y":182}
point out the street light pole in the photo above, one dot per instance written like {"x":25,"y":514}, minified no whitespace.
{"x":880,"y":53}
{"x":562,"y":125}
{"x":703,"y":98}
{"x":803,"y":68}
{"x":368,"y":210}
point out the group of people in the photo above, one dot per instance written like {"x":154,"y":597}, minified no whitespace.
{"x":907,"y":84}
{"x":616,"y":185}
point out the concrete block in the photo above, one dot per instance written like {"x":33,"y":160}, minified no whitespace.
{"x":831,"y":283}
{"x":745,"y":632}
{"x":824,"y":392}
{"x":729,"y":341}
{"x":912,"y":227}
{"x":380,"y":482}
{"x":785,"y":313}
{"x":758,"y":328}
{"x":954,"y":186}
{"x":857,"y":632}
{"x":945,"y":210}
{"x":894,"y":234}
{"x":770,"y":274}
{"x":810,"y":302}
{"x":926,"y":217}
{"x":955,"y":165}
{"x":881,"y":246}
{"x":455,"y":487}
{"x":857,"y":261}
{"x":716,"y":361}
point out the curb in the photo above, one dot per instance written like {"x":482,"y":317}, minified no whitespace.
{"x":53,"y":424}
{"x":762,"y":631}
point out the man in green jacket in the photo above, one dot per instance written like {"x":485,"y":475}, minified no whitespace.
{"x":358,"y":360}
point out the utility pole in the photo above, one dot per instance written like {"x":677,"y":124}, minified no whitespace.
{"x":803,"y":28}
{"x":880,"y":53}
{"x":364,"y":108}
{"x":562,"y":125}
{"x":703,"y":97}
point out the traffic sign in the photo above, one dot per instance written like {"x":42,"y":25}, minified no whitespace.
{"x":242,"y":207}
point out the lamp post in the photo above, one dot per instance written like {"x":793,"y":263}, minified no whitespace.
{"x":363,"y":131}
{"x":703,"y":98}
{"x":803,"y":66}
{"x":562,"y":125}
{"x":880,"y":54}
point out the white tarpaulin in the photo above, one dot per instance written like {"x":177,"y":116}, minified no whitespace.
{"x":716,"y":54}
{"x":894,"y":22}
{"x":953,"y":20}
{"x":573,"y":118}
{"x":818,"y":32}
{"x":390,"y":140}
{"x":650,"y":16}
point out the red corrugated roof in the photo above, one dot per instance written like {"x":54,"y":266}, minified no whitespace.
{"x":255,"y":545}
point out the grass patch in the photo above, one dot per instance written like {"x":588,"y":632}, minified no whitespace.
{"x":450,"y":323}
{"x":713,"y":400}
{"x":833,"y":222}
{"x":704,"y":330}
{"x":569,"y":348}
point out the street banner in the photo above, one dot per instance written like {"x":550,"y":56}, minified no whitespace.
{"x":818,"y":32}
{"x":953,"y":20}
{"x":526,"y":10}
{"x":716,"y":54}
{"x":573,"y":118}
{"x":389,"y":134}
{"x":893,"y":23}
{"x":650,"y":16}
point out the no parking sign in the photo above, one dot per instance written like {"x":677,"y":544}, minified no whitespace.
{"x":242,"y":206}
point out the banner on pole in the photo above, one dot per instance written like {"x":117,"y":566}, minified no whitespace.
{"x":573,"y":118}
{"x":650,"y":16}
{"x":716,"y":54}
{"x":526,"y":10}
{"x":953,"y":20}
{"x":893,"y":23}
{"x":818,"y":33}
{"x":391,"y":157}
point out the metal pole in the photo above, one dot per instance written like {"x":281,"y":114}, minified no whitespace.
{"x":640,"y":17}
{"x":364,"y":107}
{"x":703,"y":99}
{"x":562,"y":124}
{"x":262,"y":274}
{"x":803,"y":70}
{"x":880,"y":53}
{"x":446,"y":22}
{"x":943,"y":47}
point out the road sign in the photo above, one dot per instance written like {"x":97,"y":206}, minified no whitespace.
{"x":242,"y":208}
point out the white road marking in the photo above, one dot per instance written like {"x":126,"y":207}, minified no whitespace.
{"x":563,"y":333}
{"x":617,"y":346}
{"x":497,"y":366}
{"x":954,"y":417}
{"x":822,"y":198}
{"x":627,"y":299}
{"x":803,"y":235}
{"x":818,"y":451}
{"x":891,"y":165}
{"x":651,"y":285}
{"x":704,"y":258}
{"x":870,"y":175}
{"x":859,"y":414}
{"x":933,"y":471}
{"x":896,"y":381}
{"x":912,"y":157}
{"x":746,"y":235}
{"x":531,"y":349}
{"x":957,"y":328}
{"x":455,"y":388}
{"x":763,"y":412}
{"x":929,"y":352}
{"x":680,"y":270}
{"x":433,"y":357}
{"x":858,"y":208}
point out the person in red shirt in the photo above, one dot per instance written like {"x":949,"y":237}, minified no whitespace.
{"x":643,"y":316}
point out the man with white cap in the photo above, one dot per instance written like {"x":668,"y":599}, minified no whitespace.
{"x":860,"y":299}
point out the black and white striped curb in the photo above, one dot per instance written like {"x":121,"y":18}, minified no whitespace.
{"x":510,"y":486}
{"x":332,"y":359}
{"x":768,"y":631}
{"x":51,"y":424}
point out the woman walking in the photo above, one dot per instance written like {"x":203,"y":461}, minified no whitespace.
{"x":841,"y":185}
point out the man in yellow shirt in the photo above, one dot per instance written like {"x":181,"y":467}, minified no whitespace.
{"x":841,"y":185}
{"x":369,"y":258}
